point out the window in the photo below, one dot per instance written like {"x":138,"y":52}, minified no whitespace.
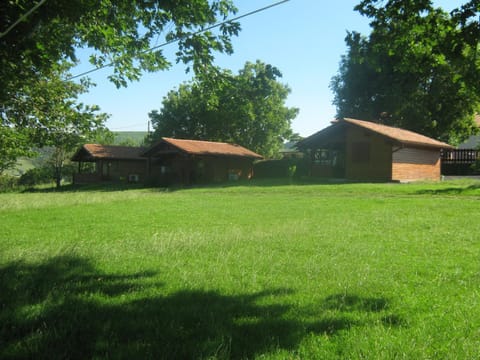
{"x":322,"y":157}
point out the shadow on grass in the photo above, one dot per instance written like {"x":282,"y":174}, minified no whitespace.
{"x":103,"y":187}
{"x":345,"y":302}
{"x":111,"y":187}
{"x":66,"y":308}
{"x":457,"y":190}
{"x":277,"y":182}
{"x":341,"y":312}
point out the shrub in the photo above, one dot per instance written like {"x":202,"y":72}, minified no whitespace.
{"x":284,"y":168}
{"x":36,"y":176}
{"x":271,"y":169}
{"x":8,"y":183}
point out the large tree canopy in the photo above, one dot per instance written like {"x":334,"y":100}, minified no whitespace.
{"x":418,"y":69}
{"x":247,"y":109}
{"x":119,"y":31}
{"x":37,"y":52}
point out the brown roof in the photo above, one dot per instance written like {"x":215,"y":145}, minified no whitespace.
{"x":96,"y":151}
{"x":198,"y":147}
{"x":397,"y":134}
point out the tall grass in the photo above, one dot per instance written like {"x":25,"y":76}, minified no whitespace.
{"x":255,"y":271}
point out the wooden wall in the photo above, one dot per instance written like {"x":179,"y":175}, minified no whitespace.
{"x":188,"y":169}
{"x":368,"y":156}
{"x":120,"y":170}
{"x":411,"y":164}
{"x":113,"y":171}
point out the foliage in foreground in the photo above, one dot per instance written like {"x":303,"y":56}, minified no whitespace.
{"x":305,"y":271}
{"x":38,"y":45}
{"x":47,"y":113}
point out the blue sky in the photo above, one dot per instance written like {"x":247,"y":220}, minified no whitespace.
{"x":304,"y":39}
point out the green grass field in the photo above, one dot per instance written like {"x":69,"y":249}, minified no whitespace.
{"x":270,"y":271}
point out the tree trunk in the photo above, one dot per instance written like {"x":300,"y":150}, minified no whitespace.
{"x":58,"y":177}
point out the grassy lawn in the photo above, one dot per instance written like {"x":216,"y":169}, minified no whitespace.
{"x":374,"y":271}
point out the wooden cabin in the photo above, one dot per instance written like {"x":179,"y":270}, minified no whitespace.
{"x":194,"y":161}
{"x":365,"y":151}
{"x":170,"y":161}
{"x":107,"y":163}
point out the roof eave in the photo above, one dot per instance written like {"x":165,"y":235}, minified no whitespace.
{"x":304,"y":144}
{"x":425,"y":145}
{"x":224,"y":155}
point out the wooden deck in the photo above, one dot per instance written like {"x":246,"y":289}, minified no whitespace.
{"x":459,"y":161}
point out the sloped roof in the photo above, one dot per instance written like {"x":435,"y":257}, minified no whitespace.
{"x":198,"y":147}
{"x":397,"y":135}
{"x":400,"y":135}
{"x":90,"y":152}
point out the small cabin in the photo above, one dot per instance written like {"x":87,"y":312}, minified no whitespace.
{"x":194,"y":161}
{"x":108,"y":163}
{"x":361,"y":150}
{"x":170,"y":161}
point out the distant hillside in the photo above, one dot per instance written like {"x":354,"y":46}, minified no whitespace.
{"x":133,"y":138}
{"x":23,"y":165}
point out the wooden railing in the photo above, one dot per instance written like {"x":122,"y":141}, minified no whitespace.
{"x":459,"y":161}
{"x":460,"y":156}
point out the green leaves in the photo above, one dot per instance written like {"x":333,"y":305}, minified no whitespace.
{"x":47,"y":113}
{"x":36,"y":55}
{"x":415,"y":70}
{"x":247,"y":109}
{"x":12,"y":146}
{"x":120,"y":32}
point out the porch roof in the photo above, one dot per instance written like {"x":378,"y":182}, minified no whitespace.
{"x":92,"y":152}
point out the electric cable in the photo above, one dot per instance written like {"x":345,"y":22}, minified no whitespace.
{"x":175,"y":40}
{"x":21,"y":18}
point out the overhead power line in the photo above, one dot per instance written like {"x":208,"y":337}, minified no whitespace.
{"x":21,"y":18}
{"x":195,"y":33}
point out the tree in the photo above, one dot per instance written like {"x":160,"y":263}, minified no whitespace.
{"x":69,"y":123}
{"x":247,"y":109}
{"x":418,"y":69}
{"x":119,"y":32}
{"x":62,"y":150}
{"x":52,"y":117}
{"x":35,"y":50}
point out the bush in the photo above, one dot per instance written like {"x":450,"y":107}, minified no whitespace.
{"x":8,"y":183}
{"x":36,"y":176}
{"x":475,"y":167}
{"x":284,"y":168}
